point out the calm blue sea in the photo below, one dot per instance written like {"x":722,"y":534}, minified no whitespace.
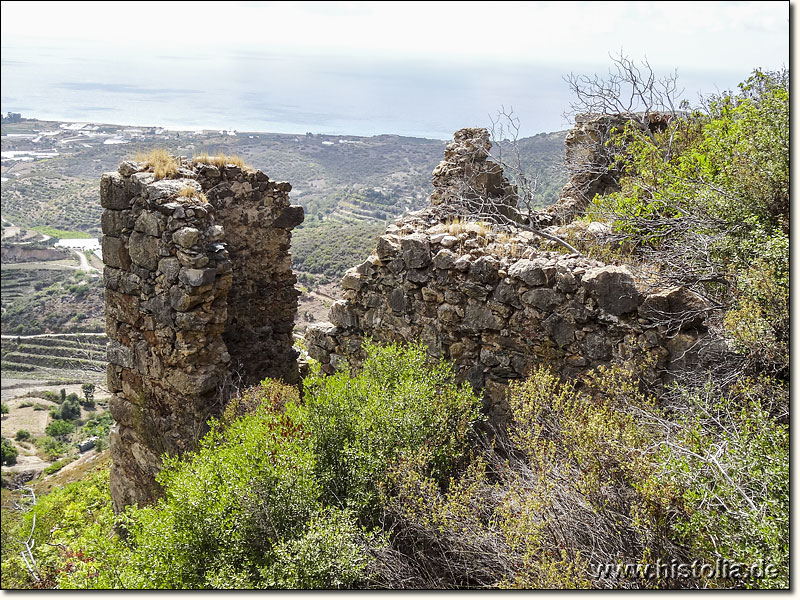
{"x":260,"y":91}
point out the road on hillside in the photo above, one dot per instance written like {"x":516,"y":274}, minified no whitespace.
{"x":85,"y":266}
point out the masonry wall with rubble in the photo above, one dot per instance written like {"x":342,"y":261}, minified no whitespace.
{"x":493,"y":302}
{"x":200,"y":299}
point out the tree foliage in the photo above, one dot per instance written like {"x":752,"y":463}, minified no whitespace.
{"x":713,"y":213}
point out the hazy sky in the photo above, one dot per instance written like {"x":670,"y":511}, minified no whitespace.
{"x":698,"y":34}
{"x":713,"y":45}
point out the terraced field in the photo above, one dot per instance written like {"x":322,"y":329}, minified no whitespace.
{"x":54,"y":356}
{"x":18,"y":283}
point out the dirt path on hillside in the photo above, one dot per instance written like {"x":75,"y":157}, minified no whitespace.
{"x":40,"y":335}
{"x":84,"y":266}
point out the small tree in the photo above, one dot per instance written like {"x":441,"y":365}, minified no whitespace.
{"x":68,"y":410}
{"x":8,"y":453}
{"x":88,"y":395}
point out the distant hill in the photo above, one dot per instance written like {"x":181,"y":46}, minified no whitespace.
{"x":51,"y":178}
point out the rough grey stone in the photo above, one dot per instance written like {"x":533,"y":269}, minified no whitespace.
{"x":150,"y":223}
{"x":416,"y":250}
{"x":170,"y":267}
{"x":484,"y":270}
{"x":186,"y":237}
{"x":676,"y":306}
{"x":528,"y":271}
{"x":128,"y":168}
{"x":116,"y":222}
{"x":560,"y":330}
{"x":388,"y":247}
{"x":197,"y":277}
{"x":169,"y":188}
{"x":397,"y":300}
{"x":341,"y":316}
{"x":115,"y":254}
{"x":444,"y":259}
{"x":117,"y":354}
{"x":613,"y":287}
{"x":479,"y":316}
{"x":290,"y":217}
{"x":144,"y":250}
{"x":542,"y":298}
{"x":113,"y":192}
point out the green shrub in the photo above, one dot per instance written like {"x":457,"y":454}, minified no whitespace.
{"x":57,"y":466}
{"x":727,"y":460}
{"x":9,"y":452}
{"x":246,"y":489}
{"x":72,"y":540}
{"x":4,"y":408}
{"x":51,"y":447}
{"x":397,"y":407}
{"x":332,"y":552}
{"x":59,"y":428}
{"x":22,"y":435}
{"x":68,"y":410}
{"x":270,"y":501}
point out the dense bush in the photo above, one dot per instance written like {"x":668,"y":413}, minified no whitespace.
{"x":69,"y":409}
{"x":59,"y":428}
{"x":708,"y":203}
{"x":396,"y":408}
{"x":51,"y":447}
{"x":378,"y":479}
{"x":283,"y":492}
{"x":597,"y":476}
{"x":9,"y":452}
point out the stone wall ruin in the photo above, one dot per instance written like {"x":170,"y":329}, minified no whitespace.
{"x":494,"y":303}
{"x":200,"y":298}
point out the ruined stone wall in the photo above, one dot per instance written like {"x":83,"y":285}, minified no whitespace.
{"x":589,"y":162}
{"x":199,"y":294}
{"x":498,"y":306}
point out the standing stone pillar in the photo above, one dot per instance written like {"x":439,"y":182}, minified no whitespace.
{"x":172,"y":250}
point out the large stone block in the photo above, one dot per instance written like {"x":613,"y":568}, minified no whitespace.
{"x":113,"y":192}
{"x":115,"y":254}
{"x":614,"y":289}
{"x":676,"y":307}
{"x":290,"y":217}
{"x":144,"y":250}
{"x":197,"y":277}
{"x":528,"y":271}
{"x":116,"y":222}
{"x":151,"y":223}
{"x":416,"y":250}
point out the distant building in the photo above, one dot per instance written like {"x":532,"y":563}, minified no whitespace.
{"x":87,"y":444}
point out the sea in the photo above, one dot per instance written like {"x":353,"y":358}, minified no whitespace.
{"x":272,"y":91}
{"x":278,"y":92}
